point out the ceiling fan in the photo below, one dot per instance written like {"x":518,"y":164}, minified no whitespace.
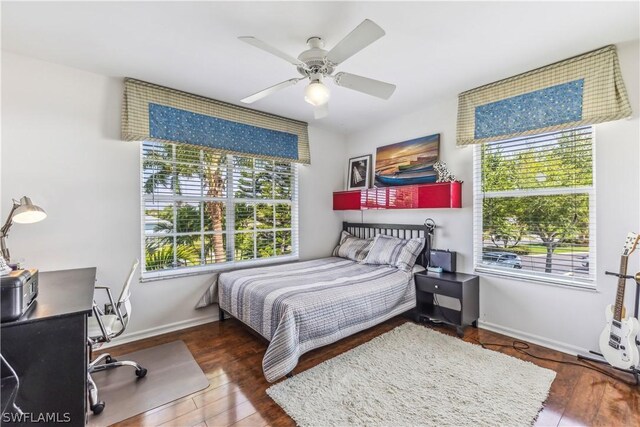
{"x":317,"y":64}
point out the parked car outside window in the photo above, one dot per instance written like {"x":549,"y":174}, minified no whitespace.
{"x":502,"y":259}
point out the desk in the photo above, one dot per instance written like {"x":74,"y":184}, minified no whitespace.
{"x":47,"y":347}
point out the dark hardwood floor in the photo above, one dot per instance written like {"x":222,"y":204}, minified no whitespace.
{"x":231,"y":357}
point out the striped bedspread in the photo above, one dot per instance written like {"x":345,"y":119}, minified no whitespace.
{"x":305,"y":305}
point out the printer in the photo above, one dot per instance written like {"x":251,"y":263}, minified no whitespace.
{"x":18,"y":292}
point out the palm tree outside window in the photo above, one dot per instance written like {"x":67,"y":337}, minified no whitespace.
{"x":203,"y":209}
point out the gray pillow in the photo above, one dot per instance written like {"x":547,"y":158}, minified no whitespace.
{"x":352,"y":247}
{"x":389,"y":250}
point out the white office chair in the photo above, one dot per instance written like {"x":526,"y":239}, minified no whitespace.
{"x":103,"y":327}
{"x":10,"y":388}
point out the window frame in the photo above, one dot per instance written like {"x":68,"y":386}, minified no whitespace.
{"x":588,"y":283}
{"x":229,"y":202}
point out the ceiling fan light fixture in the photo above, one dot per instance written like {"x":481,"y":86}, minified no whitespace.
{"x":317,"y":93}
{"x":316,"y":64}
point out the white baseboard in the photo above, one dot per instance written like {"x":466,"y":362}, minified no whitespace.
{"x":535,"y":339}
{"x":159,"y":330}
{"x":184,"y":324}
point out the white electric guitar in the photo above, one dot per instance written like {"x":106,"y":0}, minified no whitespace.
{"x":618,"y":339}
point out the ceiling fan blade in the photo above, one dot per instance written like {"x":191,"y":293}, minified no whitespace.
{"x":362,"y":36}
{"x":268,"y":91}
{"x":365,"y":85}
{"x":272,"y":50}
{"x":321,"y":111}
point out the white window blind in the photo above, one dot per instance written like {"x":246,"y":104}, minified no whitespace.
{"x":205,"y":211}
{"x":534,"y":207}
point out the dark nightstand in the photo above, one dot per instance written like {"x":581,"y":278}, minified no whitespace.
{"x":463,"y":287}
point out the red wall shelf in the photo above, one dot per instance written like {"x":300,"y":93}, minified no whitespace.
{"x":424,"y":196}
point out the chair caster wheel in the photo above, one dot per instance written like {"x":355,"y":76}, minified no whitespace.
{"x":110,"y":359}
{"x":97,"y":408}
{"x":140,"y":373}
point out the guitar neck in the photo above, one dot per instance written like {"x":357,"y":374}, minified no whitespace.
{"x":617,"y":313}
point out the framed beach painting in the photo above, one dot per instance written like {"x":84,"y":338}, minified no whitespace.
{"x":359,"y":172}
{"x":408,"y":162}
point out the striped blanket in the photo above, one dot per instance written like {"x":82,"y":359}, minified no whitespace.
{"x":305,"y":305}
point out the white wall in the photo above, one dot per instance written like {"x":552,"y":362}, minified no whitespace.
{"x":61,"y":146}
{"x":563,"y":318}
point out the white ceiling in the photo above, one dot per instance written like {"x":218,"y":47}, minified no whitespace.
{"x":431,"y":50}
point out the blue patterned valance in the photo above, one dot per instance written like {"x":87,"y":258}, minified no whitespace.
{"x":173,"y":124}
{"x":156,"y":113}
{"x":534,"y":110}
{"x":583,"y":90}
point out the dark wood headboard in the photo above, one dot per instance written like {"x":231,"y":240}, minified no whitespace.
{"x":402,"y":231}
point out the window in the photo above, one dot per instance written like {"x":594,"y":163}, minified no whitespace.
{"x":534,"y":207}
{"x":203,"y":210}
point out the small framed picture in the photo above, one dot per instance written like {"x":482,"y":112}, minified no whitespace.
{"x":359,"y":172}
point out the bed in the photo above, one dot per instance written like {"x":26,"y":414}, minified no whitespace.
{"x":305,"y":305}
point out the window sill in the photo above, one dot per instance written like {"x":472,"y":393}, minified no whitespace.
{"x":550,"y":281}
{"x":154,"y":276}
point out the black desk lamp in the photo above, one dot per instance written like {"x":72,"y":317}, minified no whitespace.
{"x":430,"y":225}
{"x":22,"y":212}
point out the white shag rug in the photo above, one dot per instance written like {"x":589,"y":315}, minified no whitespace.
{"x":414,"y":376}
